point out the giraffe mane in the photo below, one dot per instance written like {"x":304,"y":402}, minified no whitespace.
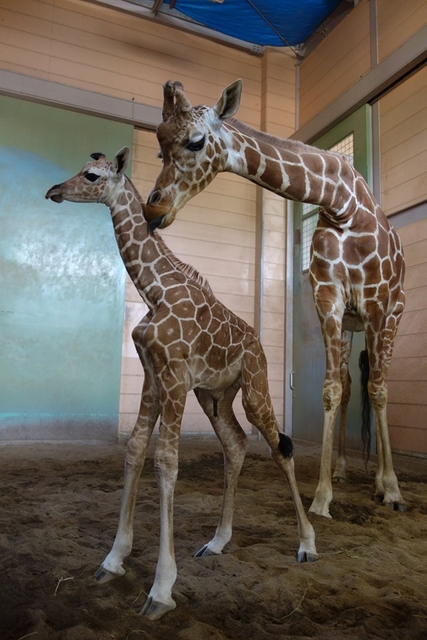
{"x":292,"y":145}
{"x":186,"y":269}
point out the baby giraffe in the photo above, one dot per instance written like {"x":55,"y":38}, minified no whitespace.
{"x":188,"y":340}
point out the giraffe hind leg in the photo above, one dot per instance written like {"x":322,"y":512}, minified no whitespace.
{"x":234,"y":442}
{"x":339,"y":474}
{"x":259,"y":411}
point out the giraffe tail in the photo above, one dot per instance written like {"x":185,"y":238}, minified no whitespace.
{"x":286,"y":446}
{"x":365,"y":404}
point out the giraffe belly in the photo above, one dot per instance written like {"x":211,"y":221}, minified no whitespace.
{"x":352,"y":322}
{"x":216,"y":382}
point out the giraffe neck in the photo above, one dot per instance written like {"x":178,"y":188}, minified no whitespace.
{"x":150,"y":264}
{"x":298,"y":171}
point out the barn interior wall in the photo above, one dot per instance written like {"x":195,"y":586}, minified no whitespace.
{"x":226,"y":229}
{"x":324,"y":76}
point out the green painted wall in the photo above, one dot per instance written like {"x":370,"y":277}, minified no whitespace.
{"x":61,"y":280}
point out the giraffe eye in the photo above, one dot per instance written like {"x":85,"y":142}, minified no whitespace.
{"x":197,"y":145}
{"x":92,"y":177}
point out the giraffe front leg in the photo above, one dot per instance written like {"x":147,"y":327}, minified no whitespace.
{"x":149,"y":410}
{"x":379,"y":486}
{"x":159,"y":600}
{"x":112,"y":566}
{"x":234,"y":441}
{"x":323,"y":494}
{"x":380,"y":343}
{"x":386,"y":484}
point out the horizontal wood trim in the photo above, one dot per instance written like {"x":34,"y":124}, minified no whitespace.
{"x":55,"y":94}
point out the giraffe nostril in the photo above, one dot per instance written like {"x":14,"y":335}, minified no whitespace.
{"x":154,"y":197}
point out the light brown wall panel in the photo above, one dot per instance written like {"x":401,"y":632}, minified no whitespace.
{"x":336,"y":64}
{"x":397,"y":22}
{"x":408,"y":369}
{"x":403,"y":144}
{"x":96,"y":48}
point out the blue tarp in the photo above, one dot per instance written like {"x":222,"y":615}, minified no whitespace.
{"x":263,"y":22}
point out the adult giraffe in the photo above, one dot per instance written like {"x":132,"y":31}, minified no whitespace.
{"x":357,"y":264}
{"x":188,"y":340}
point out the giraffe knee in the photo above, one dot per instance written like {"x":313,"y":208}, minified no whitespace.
{"x":331,"y":397}
{"x":378,"y":397}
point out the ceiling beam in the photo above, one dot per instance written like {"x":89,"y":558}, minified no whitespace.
{"x":179,"y":23}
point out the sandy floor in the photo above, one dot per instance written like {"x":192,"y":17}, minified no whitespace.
{"x":59,"y":509}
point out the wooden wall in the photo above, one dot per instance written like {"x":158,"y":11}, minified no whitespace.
{"x":326,"y":73}
{"x":397,"y":22}
{"x":226,"y":229}
{"x":407,"y":409}
{"x":403,"y":144}
{"x":403,"y":119}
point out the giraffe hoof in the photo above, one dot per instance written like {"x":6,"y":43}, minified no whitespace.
{"x":154,"y":610}
{"x":338,"y":479}
{"x":306,"y":556}
{"x":204,"y":552}
{"x":396,"y":506}
{"x":103,"y":575}
{"x":320,"y":508}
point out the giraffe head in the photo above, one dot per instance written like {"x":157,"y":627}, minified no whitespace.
{"x":193,"y":149}
{"x":98,"y":181}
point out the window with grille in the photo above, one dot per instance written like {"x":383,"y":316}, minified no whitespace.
{"x":310,"y":212}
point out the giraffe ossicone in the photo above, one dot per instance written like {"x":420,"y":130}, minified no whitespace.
{"x":187,"y":341}
{"x":357,"y":265}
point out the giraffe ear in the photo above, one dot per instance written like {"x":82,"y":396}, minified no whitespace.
{"x":229,"y":102}
{"x":121,"y":160}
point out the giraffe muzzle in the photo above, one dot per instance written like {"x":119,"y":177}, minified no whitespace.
{"x":55,"y":194}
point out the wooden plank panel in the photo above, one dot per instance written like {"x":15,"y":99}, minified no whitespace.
{"x":89,"y":46}
{"x":413,"y":233}
{"x":416,"y":299}
{"x":407,"y":346}
{"x":407,"y":375}
{"x":403,"y":144}
{"x":405,"y":195}
{"x":413,"y":323}
{"x":411,"y":147}
{"x":327,"y":73}
{"x":408,"y":369}
{"x":397,"y":22}
{"x":409,"y":415}
{"x":408,"y":439}
{"x":412,"y":392}
{"x":416,"y":276}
